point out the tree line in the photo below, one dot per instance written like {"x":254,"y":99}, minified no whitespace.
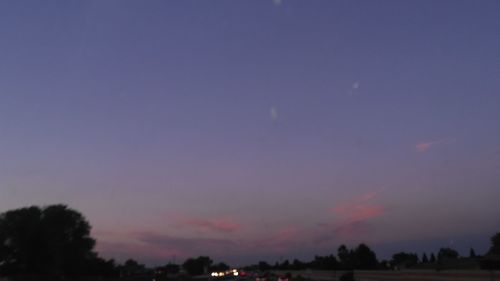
{"x":54,"y":241}
{"x":364,"y":258}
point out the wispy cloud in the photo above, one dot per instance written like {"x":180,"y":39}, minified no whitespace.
{"x":355,"y":87}
{"x":274,"y":113}
{"x":424,"y":146}
{"x":156,"y":246}
{"x":352,"y":217}
{"x":197,"y":235}
{"x":278,"y":2}
{"x":359,"y":209}
{"x":186,"y":245}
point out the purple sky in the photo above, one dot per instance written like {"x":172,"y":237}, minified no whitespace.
{"x":249,"y":130}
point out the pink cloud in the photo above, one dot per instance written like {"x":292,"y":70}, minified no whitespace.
{"x":424,"y":146}
{"x":157,"y":247}
{"x":359,"y":209}
{"x":160,"y":247}
{"x":353,"y":215}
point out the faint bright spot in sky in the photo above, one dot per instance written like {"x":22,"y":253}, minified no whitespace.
{"x":274,"y":113}
{"x":278,"y":2}
{"x":355,"y":85}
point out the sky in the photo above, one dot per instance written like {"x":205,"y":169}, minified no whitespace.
{"x":255,"y":130}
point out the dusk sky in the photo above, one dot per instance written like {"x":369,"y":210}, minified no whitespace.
{"x":255,"y":130}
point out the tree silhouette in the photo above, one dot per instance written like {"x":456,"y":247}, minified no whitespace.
{"x":172,"y":268}
{"x":432,"y":258}
{"x":425,"y":259}
{"x":495,"y":245}
{"x":492,"y":259}
{"x":264,"y":266}
{"x":324,"y":263}
{"x":197,"y":266}
{"x":344,"y":257}
{"x":404,"y":259}
{"x":364,"y":257}
{"x":297,"y":265}
{"x":447,"y":253}
{"x":472,"y":253}
{"x":54,"y":240}
{"x":219,"y":267}
{"x":285,"y":265}
{"x":132,"y":267}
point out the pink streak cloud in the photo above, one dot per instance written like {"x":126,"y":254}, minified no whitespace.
{"x":354,"y":215}
{"x":424,"y":146}
{"x":156,"y":246}
{"x":359,"y":209}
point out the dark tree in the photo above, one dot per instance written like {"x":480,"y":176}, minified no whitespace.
{"x":101,"y":267}
{"x":403,"y":259}
{"x":425,"y":259}
{"x":277,"y":266}
{"x":495,"y":245}
{"x":297,"y":265}
{"x":54,"y":241}
{"x":344,"y":257}
{"x":492,"y":259}
{"x":285,"y":265}
{"x":219,"y":267}
{"x":68,"y":236}
{"x":365,"y":258}
{"x":432,"y":258}
{"x":172,"y":268}
{"x":264,"y":266}
{"x":197,"y":266}
{"x":447,"y":253}
{"x":132,"y":267}
{"x":472,"y":253}
{"x":324,"y":263}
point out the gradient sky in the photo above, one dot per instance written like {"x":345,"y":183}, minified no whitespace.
{"x":255,"y":130}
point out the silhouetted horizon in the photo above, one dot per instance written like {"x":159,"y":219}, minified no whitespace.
{"x":254,"y":130}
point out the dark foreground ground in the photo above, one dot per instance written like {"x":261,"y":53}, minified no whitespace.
{"x":367,"y":275}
